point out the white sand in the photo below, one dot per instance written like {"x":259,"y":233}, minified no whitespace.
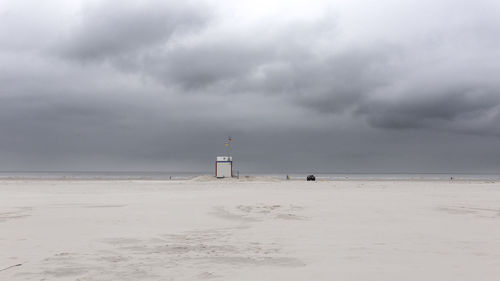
{"x":249,"y":230}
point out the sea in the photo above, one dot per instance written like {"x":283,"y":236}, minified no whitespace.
{"x":161,"y":175}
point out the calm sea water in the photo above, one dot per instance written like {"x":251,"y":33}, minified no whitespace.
{"x":294,"y":176}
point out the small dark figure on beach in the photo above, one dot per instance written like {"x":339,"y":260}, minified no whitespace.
{"x":311,"y":178}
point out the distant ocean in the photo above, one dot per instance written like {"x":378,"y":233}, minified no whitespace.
{"x":189,"y":175}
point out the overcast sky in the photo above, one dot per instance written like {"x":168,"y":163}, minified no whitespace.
{"x":301,"y":86}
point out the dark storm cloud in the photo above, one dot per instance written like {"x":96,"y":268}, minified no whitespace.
{"x":231,"y":60}
{"x":339,"y":82}
{"x":281,"y":60}
{"x":289,"y":60}
{"x":432,"y":110}
{"x":158,"y":86}
{"x":257,"y":59}
{"x":200,"y":67}
{"x":114,"y":28}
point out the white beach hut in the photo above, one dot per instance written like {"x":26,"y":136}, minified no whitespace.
{"x":224,"y":167}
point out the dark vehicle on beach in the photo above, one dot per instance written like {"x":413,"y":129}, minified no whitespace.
{"x":311,"y":178}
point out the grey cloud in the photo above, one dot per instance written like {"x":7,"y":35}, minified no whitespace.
{"x":339,"y":82}
{"x":162,"y":85}
{"x":298,"y":60}
{"x":433,"y":110}
{"x":239,"y":60}
{"x":302,"y":63}
{"x":114,"y":28}
{"x":202,"y":66}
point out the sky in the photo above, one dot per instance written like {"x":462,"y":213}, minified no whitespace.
{"x":300,"y":86}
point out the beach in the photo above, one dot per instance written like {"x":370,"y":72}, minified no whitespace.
{"x":252,"y":228}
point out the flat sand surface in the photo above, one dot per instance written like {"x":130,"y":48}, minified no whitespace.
{"x":259,"y":229}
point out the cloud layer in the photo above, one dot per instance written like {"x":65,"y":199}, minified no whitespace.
{"x":336,"y":87}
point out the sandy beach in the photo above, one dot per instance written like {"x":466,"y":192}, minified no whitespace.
{"x":249,"y":229}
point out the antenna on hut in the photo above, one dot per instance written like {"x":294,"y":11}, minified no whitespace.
{"x":228,"y":145}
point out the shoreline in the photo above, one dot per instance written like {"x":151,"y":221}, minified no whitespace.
{"x":236,"y":180}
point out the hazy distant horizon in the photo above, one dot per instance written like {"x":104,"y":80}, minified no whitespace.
{"x":235,"y":171}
